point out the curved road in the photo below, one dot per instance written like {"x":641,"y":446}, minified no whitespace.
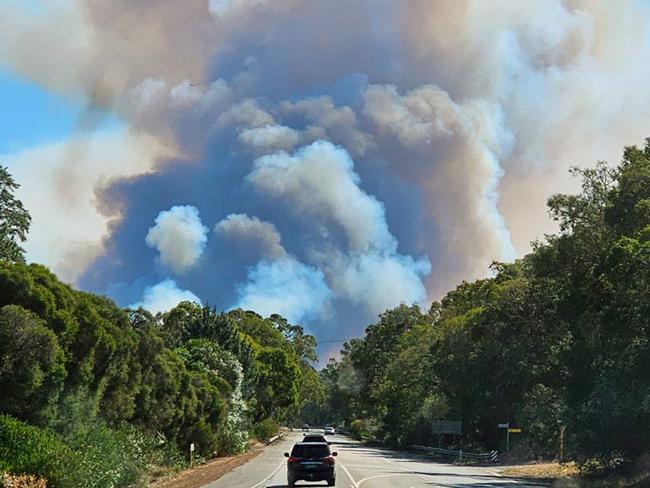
{"x":360,"y":466}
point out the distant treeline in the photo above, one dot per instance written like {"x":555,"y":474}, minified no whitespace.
{"x":557,"y":340}
{"x":93,"y":395}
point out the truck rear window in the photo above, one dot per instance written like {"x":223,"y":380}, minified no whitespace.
{"x":313,"y":451}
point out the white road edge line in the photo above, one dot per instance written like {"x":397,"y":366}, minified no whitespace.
{"x":269,"y":476}
{"x":354,"y":483}
{"x":419,"y":475}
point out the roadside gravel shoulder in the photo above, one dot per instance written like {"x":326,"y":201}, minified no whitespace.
{"x":210,"y":471}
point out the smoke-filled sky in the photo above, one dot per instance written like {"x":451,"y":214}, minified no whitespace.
{"x":324,"y":160}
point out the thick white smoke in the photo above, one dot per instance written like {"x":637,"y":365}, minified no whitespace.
{"x":320,"y":180}
{"x":320,"y":183}
{"x":285,"y":286}
{"x":164,"y":296}
{"x":179,"y":236}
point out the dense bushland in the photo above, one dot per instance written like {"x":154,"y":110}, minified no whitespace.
{"x":95,"y":395}
{"x":557,"y":340}
{"x":109,"y":392}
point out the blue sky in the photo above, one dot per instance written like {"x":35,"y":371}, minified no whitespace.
{"x":31,"y":116}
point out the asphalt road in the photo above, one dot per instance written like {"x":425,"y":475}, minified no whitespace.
{"x":360,"y":466}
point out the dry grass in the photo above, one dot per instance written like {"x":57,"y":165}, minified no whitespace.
{"x":22,"y":481}
{"x":543,"y":470}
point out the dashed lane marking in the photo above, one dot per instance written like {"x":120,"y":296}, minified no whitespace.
{"x":269,"y":476}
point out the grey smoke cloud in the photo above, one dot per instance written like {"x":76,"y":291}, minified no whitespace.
{"x":387,"y":150}
{"x":262,"y":234}
{"x":320,"y":180}
{"x":270,"y":138}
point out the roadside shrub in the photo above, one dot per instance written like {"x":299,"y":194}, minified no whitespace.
{"x":204,"y":437}
{"x":231,"y":438}
{"x":357,"y":429}
{"x":25,"y":449}
{"x":107,"y":458}
{"x":265,"y":429}
{"x":166,"y":453}
{"x":598,"y":466}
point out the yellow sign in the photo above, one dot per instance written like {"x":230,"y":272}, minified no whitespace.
{"x":514,"y":431}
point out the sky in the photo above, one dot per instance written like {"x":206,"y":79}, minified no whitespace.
{"x":321,"y":160}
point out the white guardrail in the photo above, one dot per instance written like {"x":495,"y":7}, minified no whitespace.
{"x":491,"y":456}
{"x":275,"y":438}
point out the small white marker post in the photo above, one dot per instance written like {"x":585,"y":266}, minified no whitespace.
{"x":191,"y":452}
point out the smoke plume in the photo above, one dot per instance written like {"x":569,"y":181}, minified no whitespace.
{"x":179,"y":236}
{"x":349,"y":155}
{"x":164,"y":296}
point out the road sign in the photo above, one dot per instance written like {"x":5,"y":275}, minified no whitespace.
{"x":192,"y":447}
{"x":503,"y":426}
{"x":514,"y":431}
{"x":446,"y":427}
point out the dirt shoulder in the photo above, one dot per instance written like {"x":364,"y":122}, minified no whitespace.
{"x":208,"y":472}
{"x":541,"y":470}
{"x":568,"y":476}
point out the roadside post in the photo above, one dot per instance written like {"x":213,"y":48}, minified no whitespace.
{"x":507,"y":427}
{"x":562,"y":428}
{"x":510,"y":431}
{"x":191,"y":453}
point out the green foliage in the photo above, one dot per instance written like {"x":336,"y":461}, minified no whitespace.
{"x":26,"y":449}
{"x":105,"y":457}
{"x":358,"y":429}
{"x":106,"y":379}
{"x":14,"y":219}
{"x":265,"y":429}
{"x":91,"y":454}
{"x":32,"y":366}
{"x":559,"y":339}
{"x":278,"y":380}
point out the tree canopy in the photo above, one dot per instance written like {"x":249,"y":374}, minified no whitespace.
{"x":14,"y":219}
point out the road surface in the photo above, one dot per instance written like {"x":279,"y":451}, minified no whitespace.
{"x":360,"y":466}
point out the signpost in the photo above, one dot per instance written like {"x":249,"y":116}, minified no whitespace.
{"x":191,"y":452}
{"x":446,"y":427}
{"x":441,"y":427}
{"x":509,"y":430}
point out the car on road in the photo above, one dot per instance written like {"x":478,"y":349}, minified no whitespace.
{"x":311,"y":461}
{"x":314,"y":438}
{"x":329,"y":431}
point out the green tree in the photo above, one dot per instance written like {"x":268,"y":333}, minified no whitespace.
{"x":14,"y":219}
{"x":277,"y":384}
{"x":32,"y":367}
